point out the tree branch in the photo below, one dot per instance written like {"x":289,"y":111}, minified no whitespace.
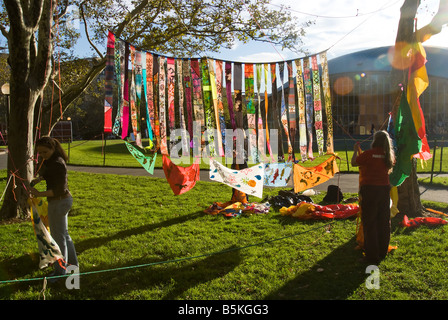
{"x":436,"y":24}
{"x":81,"y":7}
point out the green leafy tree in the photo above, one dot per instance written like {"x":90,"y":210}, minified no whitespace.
{"x":34,"y":28}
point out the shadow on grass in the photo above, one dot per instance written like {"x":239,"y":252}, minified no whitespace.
{"x":334,"y":277}
{"x":165,"y":281}
{"x":97,"y":242}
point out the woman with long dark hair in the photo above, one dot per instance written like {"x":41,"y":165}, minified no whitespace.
{"x":54,"y":172}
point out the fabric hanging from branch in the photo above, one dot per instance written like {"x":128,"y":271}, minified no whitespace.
{"x":108,"y":86}
{"x":266,"y":106}
{"x":318,"y":124}
{"x":250,"y":108}
{"x":138,"y":92}
{"x":327,"y":100}
{"x":261,"y":140}
{"x":119,"y":78}
{"x":278,"y":174}
{"x":180,"y":87}
{"x":147,"y":162}
{"x":198,"y":106}
{"x":150,"y":96}
{"x":249,"y":180}
{"x":125,"y":115}
{"x":301,"y":107}
{"x":305,"y":178}
{"x":186,"y":65}
{"x":307,"y":78}
{"x":237,"y":89}
{"x":220,"y":108}
{"x":276,"y":112}
{"x":135,"y":114}
{"x":156,"y":69}
{"x":292,"y":109}
{"x":283,"y":111}
{"x":208,"y":107}
{"x":162,"y":106}
{"x":171,"y":82}
{"x":217,"y":112}
{"x":180,"y":179}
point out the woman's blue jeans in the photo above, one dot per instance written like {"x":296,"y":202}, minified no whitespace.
{"x":57,"y":218}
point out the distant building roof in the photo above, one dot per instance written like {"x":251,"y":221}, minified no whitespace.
{"x":377,"y":60}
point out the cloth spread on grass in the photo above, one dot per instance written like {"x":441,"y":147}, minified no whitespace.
{"x":306,"y":211}
{"x":236,"y":209}
{"x":49,"y":251}
{"x":180,"y":179}
{"x":419,"y":221}
{"x":305,"y":178}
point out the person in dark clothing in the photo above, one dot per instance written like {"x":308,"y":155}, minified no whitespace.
{"x":54,"y":172}
{"x":375,"y":166}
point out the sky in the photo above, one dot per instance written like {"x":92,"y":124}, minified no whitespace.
{"x":340,"y":26}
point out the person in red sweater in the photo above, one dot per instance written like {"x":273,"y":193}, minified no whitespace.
{"x":375,"y":165}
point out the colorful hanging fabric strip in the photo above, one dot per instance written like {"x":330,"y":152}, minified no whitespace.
{"x":228,"y":74}
{"x":261,"y":135}
{"x":145,"y":93}
{"x":266,"y":107}
{"x":208,"y":106}
{"x":251,"y":111}
{"x":180,"y":179}
{"x":327,"y":100}
{"x":318,"y":124}
{"x":147,"y":162}
{"x":238,"y":104}
{"x":138,"y":91}
{"x":171,"y":83}
{"x":156,"y":69}
{"x":108,"y":86}
{"x":188,"y":96}
{"x":307,"y":77}
{"x":276,"y":113}
{"x":277,"y":174}
{"x":222,"y":122}
{"x":133,"y":99}
{"x":198,"y":106}
{"x":305,"y":178}
{"x":49,"y":251}
{"x":119,"y":77}
{"x":214,"y":94}
{"x":162,"y":106}
{"x":301,"y":105}
{"x":292,"y":109}
{"x":125,"y":115}
{"x":150,"y":95}
{"x":249,"y":180}
{"x":284,"y":116}
{"x":180,"y":89}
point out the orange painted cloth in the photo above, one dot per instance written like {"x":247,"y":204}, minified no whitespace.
{"x":305,"y":178}
{"x":180,"y":179}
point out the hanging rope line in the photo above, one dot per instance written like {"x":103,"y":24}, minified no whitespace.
{"x":327,"y":225}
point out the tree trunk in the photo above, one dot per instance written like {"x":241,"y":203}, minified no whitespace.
{"x":30,"y":49}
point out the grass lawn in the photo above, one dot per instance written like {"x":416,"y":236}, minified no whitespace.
{"x":136,"y":240}
{"x":115,"y":154}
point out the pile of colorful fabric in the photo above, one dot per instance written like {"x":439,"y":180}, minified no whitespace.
{"x":236,"y":209}
{"x":306,"y":211}
{"x":419,"y":221}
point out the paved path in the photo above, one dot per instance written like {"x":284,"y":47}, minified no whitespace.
{"x":348,"y":182}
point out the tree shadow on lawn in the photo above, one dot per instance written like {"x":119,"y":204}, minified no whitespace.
{"x":165,"y":281}
{"x":97,"y":242}
{"x":334,"y":277}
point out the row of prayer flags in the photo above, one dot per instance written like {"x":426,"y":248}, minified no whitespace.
{"x":170,"y":92}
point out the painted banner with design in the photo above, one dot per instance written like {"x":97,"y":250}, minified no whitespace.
{"x":309,"y":106}
{"x":292,"y":108}
{"x":217,"y":112}
{"x":278,"y":174}
{"x":327,"y":100}
{"x":208,"y":106}
{"x":318,"y":123}
{"x":180,"y":89}
{"x":171,"y":83}
{"x":108,"y":85}
{"x":266,"y":107}
{"x":147,"y":162}
{"x":162,"y":106}
{"x":305,"y":178}
{"x":249,"y":180}
{"x":283,"y":111}
{"x":219,"y":87}
{"x":188,"y":96}
{"x":119,"y":78}
{"x":180,"y":179}
{"x":301,"y":107}
{"x":261,"y":139}
{"x":125,"y":115}
{"x":149,"y":93}
{"x":251,"y":112}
